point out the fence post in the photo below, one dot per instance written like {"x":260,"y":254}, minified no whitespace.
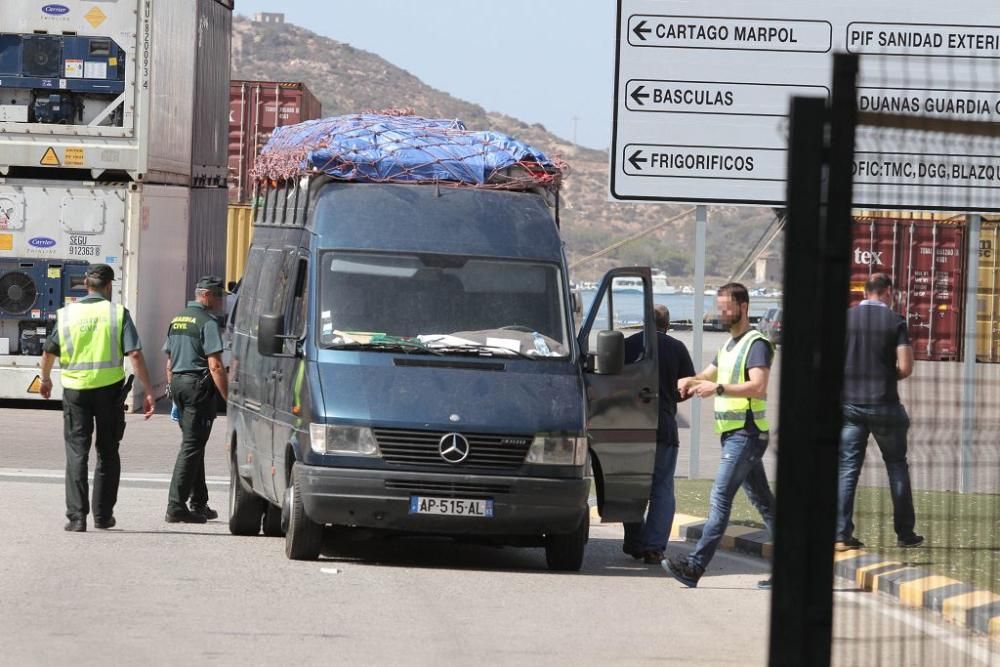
{"x":817,"y":252}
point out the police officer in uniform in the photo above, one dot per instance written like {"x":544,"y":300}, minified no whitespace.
{"x":91,"y":339}
{"x":196,"y":373}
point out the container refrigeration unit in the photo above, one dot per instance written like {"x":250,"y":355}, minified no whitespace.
{"x":133,"y":88}
{"x":53,"y":229}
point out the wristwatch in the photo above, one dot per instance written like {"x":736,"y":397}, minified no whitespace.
{"x":719,"y":390}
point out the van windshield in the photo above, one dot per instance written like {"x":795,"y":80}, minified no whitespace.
{"x":441,"y":304}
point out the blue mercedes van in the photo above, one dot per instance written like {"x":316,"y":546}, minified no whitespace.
{"x":404,"y":359}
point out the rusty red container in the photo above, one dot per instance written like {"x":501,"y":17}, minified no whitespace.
{"x":926,"y":261}
{"x":255,"y":109}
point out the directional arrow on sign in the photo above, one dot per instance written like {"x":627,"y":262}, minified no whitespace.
{"x":639,"y":96}
{"x":635,"y":160}
{"x":641,"y":30}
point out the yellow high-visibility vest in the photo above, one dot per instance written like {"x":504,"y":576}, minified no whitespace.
{"x":730,"y":412}
{"x":90,"y":344}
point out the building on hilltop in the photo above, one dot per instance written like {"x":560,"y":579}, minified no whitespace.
{"x":268,"y":17}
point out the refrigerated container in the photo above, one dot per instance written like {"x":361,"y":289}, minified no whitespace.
{"x":133,"y":87}
{"x":926,"y":261}
{"x":50,"y":231}
{"x":255,"y":109}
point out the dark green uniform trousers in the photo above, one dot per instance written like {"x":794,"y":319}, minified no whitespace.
{"x":82,"y":409}
{"x":196,"y":405}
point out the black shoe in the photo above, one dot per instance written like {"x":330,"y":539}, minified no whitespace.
{"x":683,"y":571}
{"x":184,"y":517}
{"x":652,"y":557}
{"x":848,"y":544}
{"x":764,"y":584}
{"x":909,"y":542}
{"x":634,"y":552}
{"x":76,"y":526}
{"x":105,"y":523}
{"x":205,"y":511}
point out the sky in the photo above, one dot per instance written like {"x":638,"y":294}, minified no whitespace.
{"x":541,"y":61}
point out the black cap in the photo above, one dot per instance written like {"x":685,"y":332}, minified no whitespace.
{"x":211,"y":283}
{"x":101,"y":272}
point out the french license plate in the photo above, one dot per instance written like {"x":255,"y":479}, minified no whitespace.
{"x":451,"y":506}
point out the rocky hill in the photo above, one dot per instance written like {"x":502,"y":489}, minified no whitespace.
{"x":349,"y":80}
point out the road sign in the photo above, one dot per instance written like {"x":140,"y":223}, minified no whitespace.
{"x":701,"y":102}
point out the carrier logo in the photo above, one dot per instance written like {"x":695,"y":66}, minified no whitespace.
{"x":41,"y":242}
{"x":454,"y":448}
{"x":56,"y":10}
{"x":867,"y":257}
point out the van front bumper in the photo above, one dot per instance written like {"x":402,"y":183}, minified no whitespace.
{"x":522,"y":506}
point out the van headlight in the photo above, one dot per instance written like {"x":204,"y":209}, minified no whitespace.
{"x":557,"y":450}
{"x":348,"y":440}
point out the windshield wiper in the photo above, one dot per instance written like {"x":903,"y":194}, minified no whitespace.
{"x":385,"y":346}
{"x":489,"y":350}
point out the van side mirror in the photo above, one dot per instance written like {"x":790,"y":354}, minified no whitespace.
{"x":576,"y":303}
{"x":270,"y":335}
{"x":610,"y":353}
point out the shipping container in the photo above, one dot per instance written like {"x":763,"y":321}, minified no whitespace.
{"x":988,"y":294}
{"x":926,"y":261}
{"x":239,"y":234}
{"x":133,"y":87}
{"x":255,"y":109}
{"x":51,"y":230}
{"x":206,"y":250}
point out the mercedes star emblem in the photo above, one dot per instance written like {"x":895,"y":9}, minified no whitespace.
{"x":454,"y":447}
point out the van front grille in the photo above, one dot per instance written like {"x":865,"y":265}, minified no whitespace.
{"x":449,"y":489}
{"x":486,"y":450}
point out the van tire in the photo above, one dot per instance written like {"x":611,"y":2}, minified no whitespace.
{"x":564,"y":552}
{"x":304,"y":537}
{"x":245,"y":507}
{"x":272,"y":521}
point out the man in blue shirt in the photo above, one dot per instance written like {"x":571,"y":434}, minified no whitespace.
{"x":878,"y":356}
{"x":648,"y":539}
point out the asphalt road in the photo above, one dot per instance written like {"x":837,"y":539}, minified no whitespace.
{"x":153,"y":593}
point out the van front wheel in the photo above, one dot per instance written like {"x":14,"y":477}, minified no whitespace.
{"x":304,"y":537}
{"x":245,"y":508}
{"x":564,"y":553}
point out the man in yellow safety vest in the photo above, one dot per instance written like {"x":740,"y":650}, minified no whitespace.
{"x":737,"y":381}
{"x":91,"y":339}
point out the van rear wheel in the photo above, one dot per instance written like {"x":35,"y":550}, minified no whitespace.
{"x":564,"y":552}
{"x":304,"y":537}
{"x":245,"y":507}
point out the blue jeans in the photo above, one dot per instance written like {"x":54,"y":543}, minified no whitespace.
{"x":889,"y":424}
{"x":741,"y":465}
{"x":653,"y":533}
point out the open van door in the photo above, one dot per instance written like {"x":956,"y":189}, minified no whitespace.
{"x":622,"y":398}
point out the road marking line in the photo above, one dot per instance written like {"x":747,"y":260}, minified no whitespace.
{"x":980,"y":653}
{"x":27,"y":475}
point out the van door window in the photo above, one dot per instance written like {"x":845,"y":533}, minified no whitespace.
{"x":622,"y":309}
{"x":297,"y":318}
{"x":267,"y":291}
{"x":248,"y":290}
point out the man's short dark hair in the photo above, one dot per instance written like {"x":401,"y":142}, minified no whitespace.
{"x":736,"y":291}
{"x":878,"y":283}
{"x":661,"y":316}
{"x":92,"y":282}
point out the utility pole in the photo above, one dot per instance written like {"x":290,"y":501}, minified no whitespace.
{"x":575,"y":119}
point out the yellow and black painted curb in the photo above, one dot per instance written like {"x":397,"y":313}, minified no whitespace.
{"x":957,"y":601}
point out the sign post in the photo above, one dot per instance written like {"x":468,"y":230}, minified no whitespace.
{"x":698,"y":326}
